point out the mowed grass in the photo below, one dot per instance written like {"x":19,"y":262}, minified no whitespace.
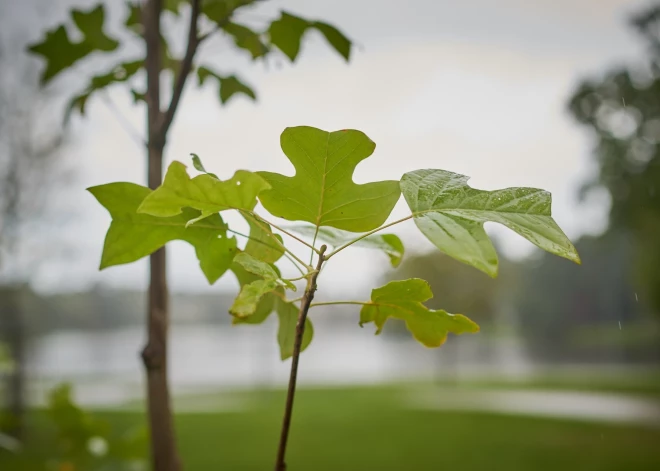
{"x":370,"y":428}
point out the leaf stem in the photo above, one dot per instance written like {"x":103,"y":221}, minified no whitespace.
{"x":258,"y":220}
{"x":347,"y":244}
{"x":307,"y":244}
{"x":280,"y":464}
{"x":295,"y":264}
{"x":330,"y":303}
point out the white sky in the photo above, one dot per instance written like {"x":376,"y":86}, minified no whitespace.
{"x":477,"y":87}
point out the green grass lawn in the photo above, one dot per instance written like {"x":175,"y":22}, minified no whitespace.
{"x":367,"y":428}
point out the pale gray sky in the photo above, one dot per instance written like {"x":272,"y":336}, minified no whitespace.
{"x":477,"y":87}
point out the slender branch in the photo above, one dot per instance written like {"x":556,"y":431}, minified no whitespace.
{"x":330,"y":303}
{"x":280,"y":464}
{"x":300,"y":277}
{"x":347,"y":244}
{"x":184,"y":71}
{"x":295,"y":264}
{"x":123,"y":122}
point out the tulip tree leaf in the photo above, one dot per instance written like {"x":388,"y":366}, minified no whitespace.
{"x":228,"y":86}
{"x":119,"y":73}
{"x":61,"y":53}
{"x":262,"y":243}
{"x":388,"y":243}
{"x":248,"y":298}
{"x":245,"y":38}
{"x":132,"y":236}
{"x":322,"y":191}
{"x":262,"y":269}
{"x":286,"y":332}
{"x":452,"y":215}
{"x":203,"y":193}
{"x":403,"y":300}
{"x":265,"y":305}
{"x":286,"y":34}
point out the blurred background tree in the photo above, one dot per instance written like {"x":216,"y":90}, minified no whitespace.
{"x":622,"y":111}
{"x":31,"y":168}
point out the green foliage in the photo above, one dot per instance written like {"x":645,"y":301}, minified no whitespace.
{"x":228,"y":86}
{"x":86,"y":442}
{"x":287,"y":32}
{"x":388,"y":243}
{"x":322,"y":191}
{"x":403,"y":300}
{"x":452,"y":216}
{"x":203,"y":193}
{"x":60,"y":53}
{"x":132,"y":235}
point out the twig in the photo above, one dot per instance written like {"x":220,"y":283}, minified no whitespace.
{"x":123,"y":122}
{"x":330,"y":303}
{"x":186,"y":67}
{"x":367,"y":235}
{"x":280,"y":464}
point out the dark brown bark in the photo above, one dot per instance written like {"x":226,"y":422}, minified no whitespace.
{"x":280,"y":464}
{"x":164,"y":452}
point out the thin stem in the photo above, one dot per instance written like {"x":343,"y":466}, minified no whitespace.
{"x":186,"y":67}
{"x":311,"y":255}
{"x":280,"y":464}
{"x":307,"y":244}
{"x":347,"y":244}
{"x":295,"y":264}
{"x":330,"y":303}
{"x":123,"y":122}
{"x":305,"y":275}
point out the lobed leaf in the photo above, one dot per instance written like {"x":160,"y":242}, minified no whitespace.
{"x":60,"y":53}
{"x":203,"y":193}
{"x":286,"y":34}
{"x":245,"y":38}
{"x":388,"y":243}
{"x":261,"y":244}
{"x":322,"y":191}
{"x":132,"y":236}
{"x":248,"y":298}
{"x":228,"y":86}
{"x":452,"y":215}
{"x":403,"y":300}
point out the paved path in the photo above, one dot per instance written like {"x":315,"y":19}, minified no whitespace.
{"x":577,"y":405}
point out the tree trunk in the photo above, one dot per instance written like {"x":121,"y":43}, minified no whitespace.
{"x":155,"y":354}
{"x":164,"y":453}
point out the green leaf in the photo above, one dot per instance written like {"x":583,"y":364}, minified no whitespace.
{"x":403,"y":300}
{"x":256,"y":267}
{"x":286,"y":34}
{"x":286,"y":333}
{"x":336,"y":38}
{"x":199,"y":166}
{"x":261,"y":244}
{"x":227,"y":86}
{"x":90,"y":23}
{"x":204,"y":193}
{"x":132,"y":236}
{"x":61,"y":53}
{"x":119,"y":73}
{"x":322,"y":191}
{"x":266,"y":304}
{"x":262,"y":269}
{"x":452,"y":215}
{"x":388,"y":243}
{"x":221,"y":11}
{"x":247,"y":39}
{"x":248,"y":298}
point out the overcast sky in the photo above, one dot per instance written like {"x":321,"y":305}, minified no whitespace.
{"x":477,"y":87}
